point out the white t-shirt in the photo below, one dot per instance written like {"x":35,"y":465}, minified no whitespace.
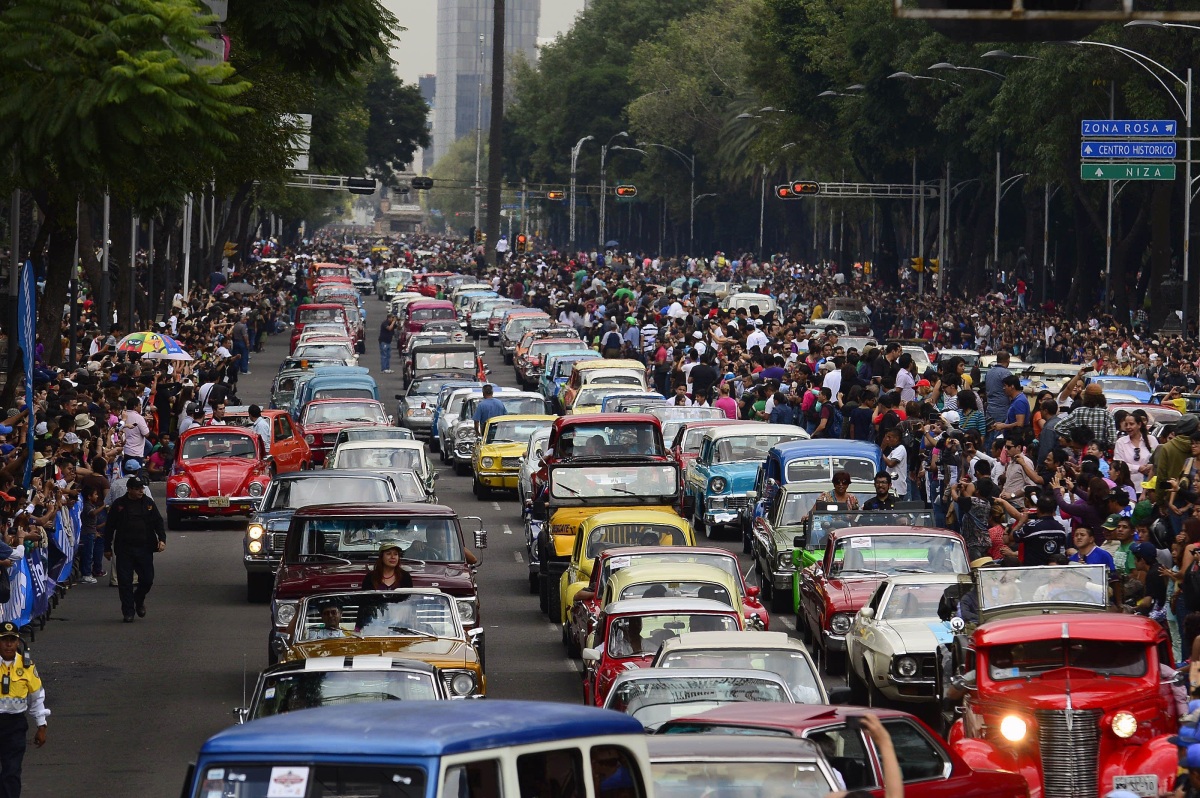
{"x":899,"y":471}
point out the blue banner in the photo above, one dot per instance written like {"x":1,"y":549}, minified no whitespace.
{"x":34,"y":578}
{"x":19,"y":608}
{"x":26,"y":336}
{"x":40,"y":585}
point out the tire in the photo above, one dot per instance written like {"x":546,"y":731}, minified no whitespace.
{"x":781,"y":600}
{"x":258,"y":587}
{"x":858,"y":688}
{"x":174,"y":518}
{"x":573,"y":649}
{"x":462,"y":469}
{"x":554,"y":603}
{"x":508,"y":360}
{"x":480,"y":490}
{"x":534,"y":584}
{"x":833,"y":664}
{"x":543,"y":593}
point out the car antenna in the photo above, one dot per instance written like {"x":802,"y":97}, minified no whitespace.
{"x":244,"y":680}
{"x":1066,"y":636}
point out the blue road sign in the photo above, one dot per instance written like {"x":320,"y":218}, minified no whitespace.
{"x":1127,"y":149}
{"x":1161,"y":128}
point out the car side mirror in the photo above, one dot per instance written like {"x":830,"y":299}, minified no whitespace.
{"x":867,"y":613}
{"x":242,"y":714}
{"x":798,"y":541}
{"x":839,"y":695}
{"x":480,"y":533}
{"x":752,"y":592}
{"x":818,"y":572}
{"x":590,"y":655}
{"x":434,"y":476}
{"x":957,"y":624}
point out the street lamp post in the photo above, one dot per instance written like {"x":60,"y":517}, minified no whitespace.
{"x":574,"y":160}
{"x":690,"y":160}
{"x":604,"y":184}
{"x":479,"y":133}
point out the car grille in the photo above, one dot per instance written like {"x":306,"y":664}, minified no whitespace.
{"x":510,"y":462}
{"x":737,"y":502}
{"x":1070,"y":756}
{"x":275,"y":541}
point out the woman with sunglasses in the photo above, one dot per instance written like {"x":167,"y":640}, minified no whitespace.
{"x":841,"y":495}
{"x":1134,"y":448}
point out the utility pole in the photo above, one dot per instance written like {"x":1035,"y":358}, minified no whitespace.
{"x":496,"y":132}
{"x":103,"y":313}
{"x":478,"y":131}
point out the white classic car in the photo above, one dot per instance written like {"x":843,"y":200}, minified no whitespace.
{"x":891,"y":649}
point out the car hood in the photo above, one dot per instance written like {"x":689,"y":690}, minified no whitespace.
{"x":1087,"y":691}
{"x":439,"y":651}
{"x":916,"y":635}
{"x":849,"y":595}
{"x":332,"y":428}
{"x":302,"y":579}
{"x":221,"y":476}
{"x":740,"y":476}
{"x":503,"y":449}
{"x":275,"y":520}
{"x":784,"y":535}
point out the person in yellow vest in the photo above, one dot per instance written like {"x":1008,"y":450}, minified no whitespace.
{"x":21,"y":691}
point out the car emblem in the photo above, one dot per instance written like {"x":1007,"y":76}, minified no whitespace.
{"x":433,"y":584}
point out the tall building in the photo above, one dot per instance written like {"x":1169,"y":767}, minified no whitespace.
{"x":461,"y":59}
{"x":428,"y":86}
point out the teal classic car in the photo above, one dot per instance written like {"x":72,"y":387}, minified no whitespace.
{"x":721,"y":478}
{"x":558,"y":370}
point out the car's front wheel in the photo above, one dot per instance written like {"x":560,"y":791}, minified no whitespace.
{"x":258,"y":587}
{"x":174,"y":518}
{"x":858,"y":687}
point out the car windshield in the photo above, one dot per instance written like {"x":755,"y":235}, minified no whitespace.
{"x":681,"y":589}
{"x":610,"y":438}
{"x":737,"y":448}
{"x":390,"y":614}
{"x":614,"y":482}
{"x":822,"y":469}
{"x":641,"y":635}
{"x":592,"y":396}
{"x":1052,"y":370}
{"x":513,"y":405}
{"x":1010,"y":587}
{"x":343,"y":412}
{"x":513,"y":431}
{"x":219,"y":444}
{"x":292,"y":494}
{"x":791,"y":666}
{"x":1039,"y":657}
{"x":408,"y":484}
{"x":539,"y":348}
{"x":615,"y":536}
{"x":449,"y":361}
{"x":692,"y":439}
{"x":726,"y":562}
{"x":372,"y":458}
{"x":426,"y":387}
{"x":798,"y":504}
{"x":824,"y":523}
{"x":672,"y":424}
{"x":910,"y":602}
{"x":515,"y":328}
{"x":323,"y":351}
{"x":375,"y":434}
{"x":359,"y":539}
{"x":287,"y":692}
{"x":306,"y":315}
{"x":344,"y":393}
{"x":608,"y":379}
{"x":868,"y":555}
{"x":1119,"y":384}
{"x":431,"y":314}
{"x":654,"y":701}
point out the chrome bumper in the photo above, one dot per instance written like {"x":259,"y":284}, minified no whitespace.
{"x":833,"y":642}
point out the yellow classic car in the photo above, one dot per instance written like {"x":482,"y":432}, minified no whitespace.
{"x":686,"y":580}
{"x":613,"y":530}
{"x":613,"y":374}
{"x":416,"y":623}
{"x":501,"y":449}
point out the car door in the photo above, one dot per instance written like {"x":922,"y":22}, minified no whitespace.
{"x":927,"y":768}
{"x":864,"y":636}
{"x":696,"y":478}
{"x":850,"y":753}
{"x":284,"y":449}
{"x":812,"y":593}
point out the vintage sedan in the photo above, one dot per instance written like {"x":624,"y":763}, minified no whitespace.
{"x":628,"y":634}
{"x":417,"y":623}
{"x":655,"y":696}
{"x":501,"y":449}
{"x":750,"y":766}
{"x":323,"y":419}
{"x":687,"y":580}
{"x":535,"y":447}
{"x":761,"y":651}
{"x":720,"y":480}
{"x":459,"y":444}
{"x":515,"y":326}
{"x":929,"y":768}
{"x":529,"y":364}
{"x":217,"y":472}
{"x":556,"y":371}
{"x":856,"y":560}
{"x":331,"y":547}
{"x":625,"y":374}
{"x":384,"y":455}
{"x":614,"y":530}
{"x":327,"y":681}
{"x":376,"y":433}
{"x":289,"y":452}
{"x":340,"y":352}
{"x":262,"y":545}
{"x":417,"y":406}
{"x":891,"y":648}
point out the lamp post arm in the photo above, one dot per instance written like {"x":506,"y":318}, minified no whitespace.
{"x":1141,"y":59}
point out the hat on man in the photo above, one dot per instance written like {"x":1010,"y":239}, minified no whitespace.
{"x":951,"y":417}
{"x":980,"y":562}
{"x":697,"y":335}
{"x":71,"y":439}
{"x":84,"y":421}
{"x":1112,"y":521}
{"x":40,"y":462}
{"x":10,"y":629}
{"x":1147,"y":553}
{"x":922,"y":384}
{"x":41,"y":428}
{"x":758,"y":322}
{"x":135,"y":483}
{"x":93,"y":365}
{"x":132,"y":465}
{"x":1186,"y":425}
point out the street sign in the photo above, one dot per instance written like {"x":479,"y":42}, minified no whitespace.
{"x":1161,"y":128}
{"x":1127,"y":149}
{"x":1127,"y":171}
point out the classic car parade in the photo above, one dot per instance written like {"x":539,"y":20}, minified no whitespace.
{"x":655,"y":696}
{"x":288,"y":451}
{"x":501,"y":449}
{"x":217,"y":472}
{"x":323,"y":419}
{"x":460,"y":440}
{"x":557,"y":369}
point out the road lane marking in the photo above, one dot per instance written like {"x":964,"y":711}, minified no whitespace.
{"x":576,"y":666}
{"x":507,"y":529}
{"x":496,"y":506}
{"x":788,"y":622}
{"x":517,"y":556}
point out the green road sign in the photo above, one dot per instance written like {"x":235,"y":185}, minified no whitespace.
{"x":1127,"y":171}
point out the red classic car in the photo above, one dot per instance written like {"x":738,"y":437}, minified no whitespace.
{"x":929,"y":769}
{"x":428,"y":284}
{"x":323,"y":419}
{"x":608,"y":435}
{"x":628,"y":634}
{"x":325,"y":271}
{"x":331,"y":547}
{"x":856,"y":560}
{"x":317,"y":313}
{"x":420,"y":312}
{"x":218,"y":471}
{"x":289,"y":452}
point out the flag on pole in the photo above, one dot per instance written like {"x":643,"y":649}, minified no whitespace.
{"x":26,"y":336}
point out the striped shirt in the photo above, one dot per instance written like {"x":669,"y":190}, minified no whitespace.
{"x":649,"y":338}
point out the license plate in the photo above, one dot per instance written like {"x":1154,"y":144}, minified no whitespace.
{"x":218,"y":501}
{"x":1142,"y":785}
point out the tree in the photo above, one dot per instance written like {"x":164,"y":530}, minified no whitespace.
{"x":397,"y":122}
{"x":453,"y":175}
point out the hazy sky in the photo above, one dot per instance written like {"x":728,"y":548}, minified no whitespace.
{"x":416,"y":53}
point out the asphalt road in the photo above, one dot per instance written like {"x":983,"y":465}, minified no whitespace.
{"x":132,"y":703}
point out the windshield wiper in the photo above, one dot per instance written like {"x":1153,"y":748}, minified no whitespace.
{"x":327,"y":556}
{"x":911,"y":571}
{"x":408,"y":630}
{"x":568,"y":487}
{"x":861,"y":571}
{"x":619,"y":489}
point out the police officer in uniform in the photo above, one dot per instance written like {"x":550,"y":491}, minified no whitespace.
{"x":135,"y":533}
{"x":21,"y":691}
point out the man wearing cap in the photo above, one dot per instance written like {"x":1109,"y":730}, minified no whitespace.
{"x":21,"y":691}
{"x":757,"y":337}
{"x":134,"y":533}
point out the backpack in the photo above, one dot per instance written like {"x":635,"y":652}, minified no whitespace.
{"x":911,"y":443}
{"x":835,"y":422}
{"x":611,"y":342}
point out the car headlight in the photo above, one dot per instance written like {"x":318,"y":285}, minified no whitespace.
{"x":783,"y":560}
{"x":1013,"y":729}
{"x":464,"y":433}
{"x":255,"y":489}
{"x":254,"y":547}
{"x":466,"y":611}
{"x":487,"y":462}
{"x":285,"y":612}
{"x":182,"y":490}
{"x":309,"y":439}
{"x":718,"y":484}
{"x":462,"y":684}
{"x":906,"y":667}
{"x":255,"y":531}
{"x":840,"y":624}
{"x":1124,"y":724}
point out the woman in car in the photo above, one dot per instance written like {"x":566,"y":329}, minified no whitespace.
{"x":387,"y":574}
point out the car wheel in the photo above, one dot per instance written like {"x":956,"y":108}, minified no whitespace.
{"x":508,"y":360}
{"x":258,"y":587}
{"x":832,"y":662}
{"x":534,"y":584}
{"x":174,"y":518}
{"x":781,"y":600}
{"x":480,"y":490}
{"x":554,"y":603}
{"x":462,"y":469}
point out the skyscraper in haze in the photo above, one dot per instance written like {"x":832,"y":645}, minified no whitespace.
{"x":460,"y":63}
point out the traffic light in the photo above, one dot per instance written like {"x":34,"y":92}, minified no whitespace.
{"x":627,"y":191}
{"x":230,"y":249}
{"x":557,"y":196}
{"x":918,"y":264}
{"x":805,"y":187}
{"x":360,"y":185}
{"x":933,"y":265}
{"x":784,"y":192}
{"x":522,"y":243}
{"x":422,"y":183}
{"x":478,"y":235}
